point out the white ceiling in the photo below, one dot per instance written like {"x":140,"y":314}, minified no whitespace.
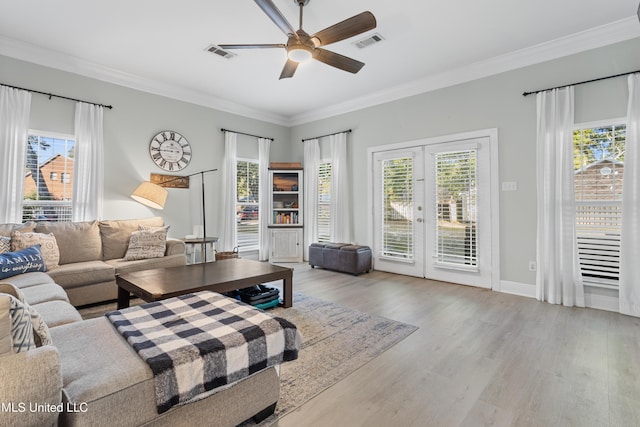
{"x":159,"y":46}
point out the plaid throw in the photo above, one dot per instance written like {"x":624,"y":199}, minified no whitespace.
{"x":197,"y":342}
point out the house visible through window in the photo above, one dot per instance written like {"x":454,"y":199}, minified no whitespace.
{"x":598,"y":177}
{"x":247,"y":210}
{"x":48,"y":181}
{"x":324,"y":202}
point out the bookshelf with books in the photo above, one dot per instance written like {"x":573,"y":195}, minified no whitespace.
{"x":286,"y":216}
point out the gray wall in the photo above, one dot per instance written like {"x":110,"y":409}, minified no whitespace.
{"x":493,"y":102}
{"x":128,"y":128}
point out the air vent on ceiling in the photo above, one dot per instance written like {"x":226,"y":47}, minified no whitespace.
{"x":220,"y":52}
{"x":372,"y":39}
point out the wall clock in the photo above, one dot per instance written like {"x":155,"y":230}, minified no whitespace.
{"x":170,"y":150}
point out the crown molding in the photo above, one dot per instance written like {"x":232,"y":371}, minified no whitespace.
{"x":604,"y":35}
{"x":60,"y":61}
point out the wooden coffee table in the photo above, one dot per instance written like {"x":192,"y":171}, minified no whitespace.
{"x":219,"y":276}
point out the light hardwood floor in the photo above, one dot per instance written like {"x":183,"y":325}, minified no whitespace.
{"x":480,"y":358}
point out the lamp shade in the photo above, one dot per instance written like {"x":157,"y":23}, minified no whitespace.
{"x":150,"y":194}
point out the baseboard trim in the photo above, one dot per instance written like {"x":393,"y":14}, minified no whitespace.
{"x":515,"y":288}
{"x":599,"y":302}
{"x":602,"y":302}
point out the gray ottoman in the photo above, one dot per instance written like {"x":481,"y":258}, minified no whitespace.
{"x":343,"y":257}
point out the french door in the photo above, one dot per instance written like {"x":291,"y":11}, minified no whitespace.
{"x":432,"y":210}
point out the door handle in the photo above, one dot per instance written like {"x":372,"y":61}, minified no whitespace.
{"x":419,"y":219}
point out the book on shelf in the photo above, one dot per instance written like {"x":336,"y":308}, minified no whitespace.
{"x":284,"y":218}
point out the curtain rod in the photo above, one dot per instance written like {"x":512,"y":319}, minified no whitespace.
{"x":50,"y":95}
{"x":242,"y":133}
{"x":581,"y":83}
{"x":323,"y":136}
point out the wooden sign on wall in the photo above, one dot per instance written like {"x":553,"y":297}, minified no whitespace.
{"x":170,"y":181}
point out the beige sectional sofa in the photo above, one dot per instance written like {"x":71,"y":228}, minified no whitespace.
{"x":89,"y":375}
{"x":92,"y":253}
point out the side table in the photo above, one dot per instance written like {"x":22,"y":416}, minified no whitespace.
{"x":203,"y":242}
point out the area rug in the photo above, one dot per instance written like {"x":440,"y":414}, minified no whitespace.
{"x":337,"y":341}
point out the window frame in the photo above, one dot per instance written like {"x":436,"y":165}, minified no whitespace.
{"x":585,"y":242}
{"x":61,"y":208}
{"x":256,"y":245}
{"x":326,"y":237}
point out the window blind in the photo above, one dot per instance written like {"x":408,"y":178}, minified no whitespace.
{"x":397,"y":205}
{"x":456,"y":243}
{"x":247,"y":208}
{"x":324,"y":202}
{"x":598,"y":179}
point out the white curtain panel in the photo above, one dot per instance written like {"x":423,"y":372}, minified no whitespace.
{"x":15,"y":105}
{"x":311,"y":170}
{"x":88,"y":165}
{"x":558,"y":279}
{"x":264,"y":145}
{"x":228,"y":238}
{"x":630,"y":239}
{"x":340,"y":225}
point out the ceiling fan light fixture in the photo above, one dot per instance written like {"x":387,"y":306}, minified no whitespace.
{"x":299,"y":53}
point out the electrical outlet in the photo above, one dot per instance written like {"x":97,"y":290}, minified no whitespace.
{"x":532,"y":266}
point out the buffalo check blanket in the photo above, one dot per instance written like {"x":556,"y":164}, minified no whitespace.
{"x":198,"y":342}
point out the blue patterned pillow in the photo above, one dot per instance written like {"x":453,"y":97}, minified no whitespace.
{"x":24,"y":261}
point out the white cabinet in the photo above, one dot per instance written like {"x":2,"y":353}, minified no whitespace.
{"x":286,"y":245}
{"x":286,"y":215}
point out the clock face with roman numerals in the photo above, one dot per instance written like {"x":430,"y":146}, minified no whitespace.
{"x":170,"y":150}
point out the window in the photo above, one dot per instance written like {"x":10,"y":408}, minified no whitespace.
{"x":324,"y":202}
{"x":47,"y":198}
{"x":456,"y":206}
{"x":598,"y":178}
{"x":397,"y":209}
{"x":247,"y":210}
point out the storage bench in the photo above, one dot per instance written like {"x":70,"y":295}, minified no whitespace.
{"x":344,"y":257}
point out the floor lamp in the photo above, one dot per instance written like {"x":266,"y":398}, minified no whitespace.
{"x":155,"y":196}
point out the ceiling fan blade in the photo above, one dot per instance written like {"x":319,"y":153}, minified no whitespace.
{"x":276,"y":16}
{"x":289,"y":69}
{"x":350,"y":27}
{"x":250,"y":46}
{"x":336,"y":60}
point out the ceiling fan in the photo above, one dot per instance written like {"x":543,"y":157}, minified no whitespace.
{"x":301,"y":46}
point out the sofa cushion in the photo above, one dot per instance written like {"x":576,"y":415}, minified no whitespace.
{"x":116,"y":233}
{"x":121,"y":266}
{"x":7,"y":229}
{"x":26,"y":280}
{"x":24,"y":261}
{"x":108,"y":367}
{"x":43,"y":293}
{"x":6,"y":340}
{"x":5,"y":244}
{"x":82,"y":274}
{"x":56,"y":313}
{"x":77,"y":241}
{"x":47,"y":242}
{"x":147,"y":242}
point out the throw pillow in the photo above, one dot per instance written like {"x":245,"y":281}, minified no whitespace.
{"x":7,"y":229}
{"x":41,"y":333}
{"x":5,"y":244}
{"x":47,"y":242}
{"x":115,"y":234}
{"x":24,"y":261}
{"x":144,"y":244}
{"x":21,"y":327}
